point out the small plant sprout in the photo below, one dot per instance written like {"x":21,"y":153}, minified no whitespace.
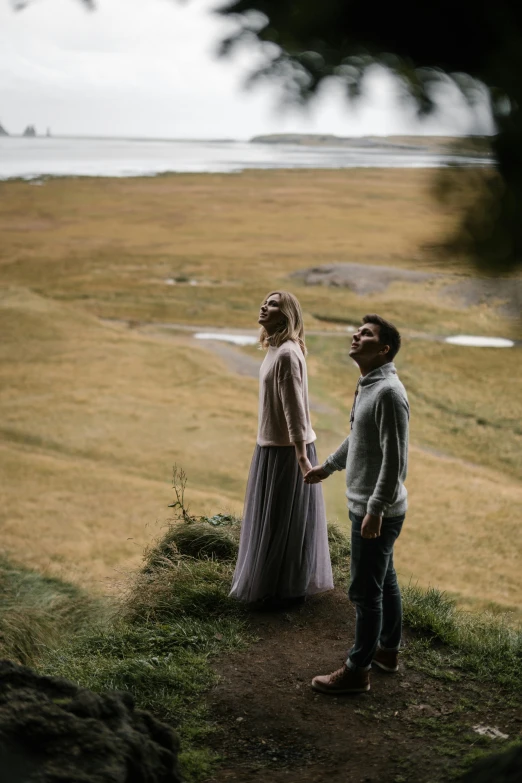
{"x":179,"y":482}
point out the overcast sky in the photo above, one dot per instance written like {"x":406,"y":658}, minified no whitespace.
{"x":148,"y":68}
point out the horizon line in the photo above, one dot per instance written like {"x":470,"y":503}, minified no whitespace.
{"x":228,"y":139}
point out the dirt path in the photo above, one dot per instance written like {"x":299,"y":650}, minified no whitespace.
{"x":271,"y":726}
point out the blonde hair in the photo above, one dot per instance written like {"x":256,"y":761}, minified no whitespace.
{"x":292,"y":327}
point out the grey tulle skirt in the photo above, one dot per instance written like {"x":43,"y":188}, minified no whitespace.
{"x":283,"y":550}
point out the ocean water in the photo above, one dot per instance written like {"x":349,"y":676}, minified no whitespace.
{"x":31,"y":158}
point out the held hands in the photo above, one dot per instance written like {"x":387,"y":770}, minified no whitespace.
{"x":315,"y":475}
{"x":371,"y":526}
{"x":310,"y":475}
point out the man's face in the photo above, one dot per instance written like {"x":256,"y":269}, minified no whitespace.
{"x":366,"y":345}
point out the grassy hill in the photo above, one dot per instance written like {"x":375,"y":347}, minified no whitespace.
{"x":94,"y":414}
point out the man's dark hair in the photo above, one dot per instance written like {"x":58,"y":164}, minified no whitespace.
{"x":388,"y":333}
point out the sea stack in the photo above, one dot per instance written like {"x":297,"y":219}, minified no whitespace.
{"x":3,"y":131}
{"x":30,"y":131}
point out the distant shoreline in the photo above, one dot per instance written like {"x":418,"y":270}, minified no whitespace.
{"x":66,"y":137}
{"x":58,"y":156}
{"x":393,"y":142}
{"x":456,"y":145}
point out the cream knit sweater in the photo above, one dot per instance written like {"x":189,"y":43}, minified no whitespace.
{"x":284,"y":415}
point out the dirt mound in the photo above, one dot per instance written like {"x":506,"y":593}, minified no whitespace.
{"x":51,"y":730}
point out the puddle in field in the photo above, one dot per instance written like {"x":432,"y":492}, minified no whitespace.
{"x":479,"y":342}
{"x":236,"y":339}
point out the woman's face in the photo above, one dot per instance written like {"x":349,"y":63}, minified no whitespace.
{"x":269,"y":314}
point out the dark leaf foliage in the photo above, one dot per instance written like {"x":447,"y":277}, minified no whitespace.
{"x":478,"y":46}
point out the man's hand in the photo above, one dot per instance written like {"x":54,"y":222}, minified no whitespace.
{"x":371,"y":526}
{"x":315,"y":475}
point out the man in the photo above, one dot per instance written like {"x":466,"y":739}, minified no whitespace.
{"x":375,"y":456}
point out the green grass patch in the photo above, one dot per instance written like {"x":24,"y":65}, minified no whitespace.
{"x":175,"y":615}
{"x":203,"y":539}
{"x":37,"y":611}
{"x":453,"y":643}
{"x":166,"y":670}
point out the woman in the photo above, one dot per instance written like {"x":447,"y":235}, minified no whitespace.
{"x":283,"y":551}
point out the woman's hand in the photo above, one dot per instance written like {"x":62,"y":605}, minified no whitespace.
{"x":300,"y":452}
{"x":305,"y":465}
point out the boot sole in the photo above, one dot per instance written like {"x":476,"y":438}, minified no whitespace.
{"x":384,"y":668}
{"x":339,"y":691}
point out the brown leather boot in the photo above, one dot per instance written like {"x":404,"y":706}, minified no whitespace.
{"x":344,"y":680}
{"x":387,"y":660}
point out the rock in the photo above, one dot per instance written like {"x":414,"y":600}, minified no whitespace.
{"x":503,"y":767}
{"x":53,"y":731}
{"x":3,"y":131}
{"x":490,"y":731}
{"x":30,"y":131}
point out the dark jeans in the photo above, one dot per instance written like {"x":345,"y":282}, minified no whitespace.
{"x":374,"y":590}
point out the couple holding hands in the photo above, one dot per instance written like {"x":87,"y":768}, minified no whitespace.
{"x":283,"y":552}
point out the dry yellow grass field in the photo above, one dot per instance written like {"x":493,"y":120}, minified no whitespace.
{"x":93,"y":419}
{"x":94,"y":414}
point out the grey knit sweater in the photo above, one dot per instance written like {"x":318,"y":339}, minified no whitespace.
{"x":375,"y":454}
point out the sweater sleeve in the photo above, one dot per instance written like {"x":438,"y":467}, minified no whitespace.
{"x":290,"y":390}
{"x":337,"y":460}
{"x":392,"y":420}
